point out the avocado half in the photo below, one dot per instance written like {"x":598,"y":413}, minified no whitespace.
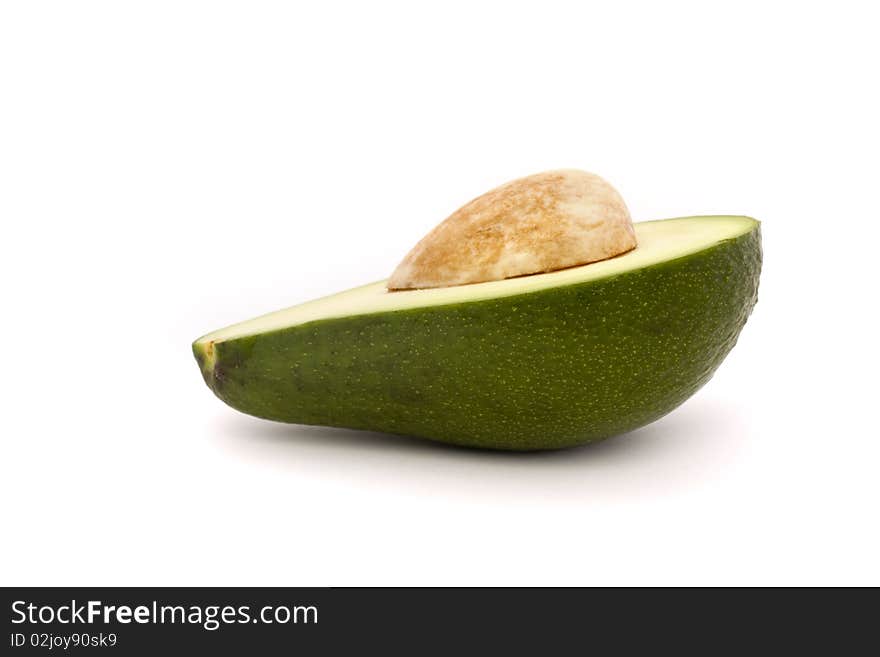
{"x":538,"y":362}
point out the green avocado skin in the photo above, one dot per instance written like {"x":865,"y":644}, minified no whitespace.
{"x":543,"y":370}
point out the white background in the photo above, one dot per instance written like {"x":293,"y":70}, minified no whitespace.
{"x":170,"y":167}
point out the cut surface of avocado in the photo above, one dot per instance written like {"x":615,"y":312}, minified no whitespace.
{"x":540,"y":362}
{"x":659,"y":241}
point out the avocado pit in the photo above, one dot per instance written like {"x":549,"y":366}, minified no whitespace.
{"x":537,"y":224}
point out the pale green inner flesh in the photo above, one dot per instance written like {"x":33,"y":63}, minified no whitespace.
{"x":658,"y":241}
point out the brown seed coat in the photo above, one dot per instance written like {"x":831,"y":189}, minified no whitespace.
{"x":536,"y":224}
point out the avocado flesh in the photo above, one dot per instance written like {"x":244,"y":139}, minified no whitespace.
{"x":539,"y":362}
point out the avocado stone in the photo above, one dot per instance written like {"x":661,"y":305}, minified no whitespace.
{"x":538,"y":362}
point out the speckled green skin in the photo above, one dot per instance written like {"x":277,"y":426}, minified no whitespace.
{"x":543,"y":370}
